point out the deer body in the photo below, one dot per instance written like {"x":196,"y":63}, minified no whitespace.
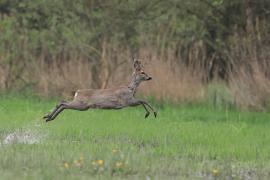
{"x":112,"y":98}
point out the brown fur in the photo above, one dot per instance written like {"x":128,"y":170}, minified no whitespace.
{"x":112,"y":98}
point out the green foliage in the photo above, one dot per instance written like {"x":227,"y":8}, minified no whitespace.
{"x":215,"y":37}
{"x":84,"y":21}
{"x":181,"y":143}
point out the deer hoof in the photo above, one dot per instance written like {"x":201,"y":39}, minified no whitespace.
{"x":155,"y":114}
{"x":146,"y":115}
{"x":45,"y":117}
{"x":48,"y":119}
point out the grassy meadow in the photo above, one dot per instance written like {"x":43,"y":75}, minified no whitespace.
{"x":183,"y":142}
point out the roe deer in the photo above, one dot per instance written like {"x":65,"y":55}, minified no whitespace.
{"x":113,"y":98}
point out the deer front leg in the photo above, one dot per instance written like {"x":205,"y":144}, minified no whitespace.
{"x":145,"y":103}
{"x":135,"y":102}
{"x":147,"y":111}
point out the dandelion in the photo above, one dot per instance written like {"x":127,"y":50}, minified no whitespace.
{"x":215,"y":172}
{"x":100,"y":162}
{"x":66,"y":165}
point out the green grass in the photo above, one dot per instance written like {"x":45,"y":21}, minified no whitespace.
{"x":183,"y":142}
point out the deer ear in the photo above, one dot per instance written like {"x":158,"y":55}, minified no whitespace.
{"x":137,"y":65}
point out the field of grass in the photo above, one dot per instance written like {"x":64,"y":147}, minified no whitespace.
{"x":183,"y":142}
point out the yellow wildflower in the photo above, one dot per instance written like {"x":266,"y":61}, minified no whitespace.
{"x":100,"y":162}
{"x":66,"y":165}
{"x":215,"y":172}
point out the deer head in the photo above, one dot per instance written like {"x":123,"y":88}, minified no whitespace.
{"x":139,"y":74}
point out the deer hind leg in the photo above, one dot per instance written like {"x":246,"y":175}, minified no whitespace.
{"x":66,"y":105}
{"x":55,"y":109}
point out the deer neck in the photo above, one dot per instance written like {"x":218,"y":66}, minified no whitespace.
{"x":133,"y":85}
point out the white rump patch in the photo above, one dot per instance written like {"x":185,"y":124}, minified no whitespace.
{"x":76,"y":94}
